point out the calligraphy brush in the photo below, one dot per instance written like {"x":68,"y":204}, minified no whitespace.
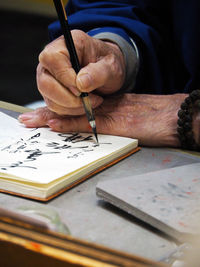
{"x":74,"y":61}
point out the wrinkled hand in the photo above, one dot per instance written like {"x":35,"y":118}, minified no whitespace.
{"x":150,"y":118}
{"x":102,"y":72}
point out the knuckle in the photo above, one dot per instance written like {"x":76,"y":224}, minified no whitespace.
{"x":44,"y":54}
{"x":49,"y":55}
{"x":43,"y":113}
{"x":115,"y":66}
{"x":42,"y":82}
{"x":61,"y":74}
{"x":78,"y":35}
{"x":80,"y":39}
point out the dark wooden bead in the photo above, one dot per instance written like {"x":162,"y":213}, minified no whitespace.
{"x":184,"y":106}
{"x":187,"y":126}
{"x":194,"y":95}
{"x":190,"y":111}
{"x":188,"y":118}
{"x":197,"y":104}
{"x":180,"y":122}
{"x":180,"y":130}
{"x":181,"y":114}
{"x":183,"y":139}
{"x":188,"y":100}
{"x":189,"y":135}
{"x":185,"y":114}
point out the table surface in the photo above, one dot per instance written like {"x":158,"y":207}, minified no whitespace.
{"x":91,"y":219}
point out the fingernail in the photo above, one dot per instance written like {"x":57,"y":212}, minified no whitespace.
{"x":25,"y":117}
{"x":84,"y":81}
{"x":75,"y":91}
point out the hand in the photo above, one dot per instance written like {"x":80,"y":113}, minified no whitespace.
{"x":102,"y":72}
{"x":152,"y":119}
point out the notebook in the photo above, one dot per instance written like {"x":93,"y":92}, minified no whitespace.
{"x":41,"y":164}
{"x":168,"y":200}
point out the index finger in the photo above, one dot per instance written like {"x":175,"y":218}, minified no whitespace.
{"x":55,"y":58}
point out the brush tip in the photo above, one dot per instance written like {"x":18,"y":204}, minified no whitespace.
{"x":97,"y":141}
{"x":93,"y":126}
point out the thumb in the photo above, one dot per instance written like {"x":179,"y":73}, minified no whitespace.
{"x":98,"y":75}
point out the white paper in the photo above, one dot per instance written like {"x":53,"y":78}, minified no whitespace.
{"x":42,"y":155}
{"x":10,"y":128}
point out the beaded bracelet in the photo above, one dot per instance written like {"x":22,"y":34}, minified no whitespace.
{"x":185,"y":114}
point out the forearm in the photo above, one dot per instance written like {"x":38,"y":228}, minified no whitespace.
{"x":152,"y":119}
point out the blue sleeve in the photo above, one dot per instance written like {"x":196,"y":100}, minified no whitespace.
{"x":153,"y":26}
